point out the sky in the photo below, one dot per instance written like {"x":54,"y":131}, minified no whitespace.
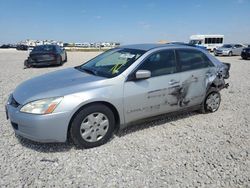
{"x":125,"y":21}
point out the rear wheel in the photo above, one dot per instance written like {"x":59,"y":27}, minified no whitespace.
{"x":26,"y":64}
{"x":59,"y":60}
{"x":244,"y":57}
{"x":66,"y":58}
{"x":92,"y":126}
{"x":211,"y":102}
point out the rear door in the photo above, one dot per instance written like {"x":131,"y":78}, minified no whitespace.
{"x":238,"y":49}
{"x":195,"y":69}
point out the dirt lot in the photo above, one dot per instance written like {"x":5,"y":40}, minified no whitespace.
{"x":190,"y":149}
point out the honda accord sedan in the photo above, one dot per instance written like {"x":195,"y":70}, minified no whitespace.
{"x":44,"y":55}
{"x":89,"y":102}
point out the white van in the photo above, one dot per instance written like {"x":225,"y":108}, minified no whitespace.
{"x":211,"y":42}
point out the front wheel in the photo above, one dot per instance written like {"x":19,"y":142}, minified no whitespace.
{"x":92,"y":126}
{"x":230,"y":53}
{"x":26,"y":64}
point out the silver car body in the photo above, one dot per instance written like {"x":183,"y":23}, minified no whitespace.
{"x":130,"y":100}
{"x":235,"y":49}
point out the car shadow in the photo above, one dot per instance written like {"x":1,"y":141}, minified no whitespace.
{"x":155,"y":121}
{"x":45,"y":147}
{"x":136,"y":126}
{"x":43,"y":66}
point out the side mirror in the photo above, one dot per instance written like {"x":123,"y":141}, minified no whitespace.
{"x":142,"y":74}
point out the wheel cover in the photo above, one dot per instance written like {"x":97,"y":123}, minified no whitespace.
{"x":213,"y":102}
{"x":94,"y":127}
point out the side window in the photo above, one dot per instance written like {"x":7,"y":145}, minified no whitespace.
{"x":160,"y":63}
{"x":192,"y":59}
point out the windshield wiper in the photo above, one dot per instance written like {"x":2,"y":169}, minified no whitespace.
{"x":90,"y":71}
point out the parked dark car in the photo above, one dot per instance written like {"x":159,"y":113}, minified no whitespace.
{"x":22,"y":47}
{"x":45,"y":55}
{"x":5,"y":46}
{"x":245,"y":54}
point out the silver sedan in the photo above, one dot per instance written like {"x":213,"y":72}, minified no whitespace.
{"x":229,"y":50}
{"x":123,"y":85}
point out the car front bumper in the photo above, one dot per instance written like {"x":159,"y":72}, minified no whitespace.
{"x":41,"y":128}
{"x":221,"y":52}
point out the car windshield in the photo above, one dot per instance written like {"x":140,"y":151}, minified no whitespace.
{"x":227,"y":46}
{"x":44,"y":48}
{"x":194,"y":42}
{"x":112,"y":62}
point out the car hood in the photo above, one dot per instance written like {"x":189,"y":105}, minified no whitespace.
{"x":59,"y":83}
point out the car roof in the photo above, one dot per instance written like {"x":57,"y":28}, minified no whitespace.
{"x":150,"y":46}
{"x":233,"y":44}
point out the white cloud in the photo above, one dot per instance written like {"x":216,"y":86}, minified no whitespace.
{"x":98,"y":17}
{"x":145,"y":25}
{"x":124,"y":6}
{"x":197,"y":5}
{"x":150,"y":5}
{"x":240,"y":1}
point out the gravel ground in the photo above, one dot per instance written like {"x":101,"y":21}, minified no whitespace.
{"x":187,"y":150}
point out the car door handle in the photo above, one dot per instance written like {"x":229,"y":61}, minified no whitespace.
{"x":209,"y":74}
{"x":173,"y":82}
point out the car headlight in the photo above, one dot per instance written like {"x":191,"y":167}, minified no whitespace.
{"x":43,"y":106}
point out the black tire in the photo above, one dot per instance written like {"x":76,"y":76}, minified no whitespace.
{"x":230,"y":53}
{"x":59,"y":60}
{"x":66,"y":58}
{"x":76,"y":130}
{"x":26,"y":64}
{"x":205,"y":108}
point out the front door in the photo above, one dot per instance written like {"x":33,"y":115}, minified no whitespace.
{"x":152,"y":96}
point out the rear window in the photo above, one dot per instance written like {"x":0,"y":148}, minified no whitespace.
{"x":44,"y":48}
{"x":227,"y":46}
{"x":192,"y":59}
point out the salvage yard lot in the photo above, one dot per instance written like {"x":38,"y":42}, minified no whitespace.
{"x":188,"y":149}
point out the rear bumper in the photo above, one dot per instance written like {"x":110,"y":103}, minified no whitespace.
{"x":40,"y":63}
